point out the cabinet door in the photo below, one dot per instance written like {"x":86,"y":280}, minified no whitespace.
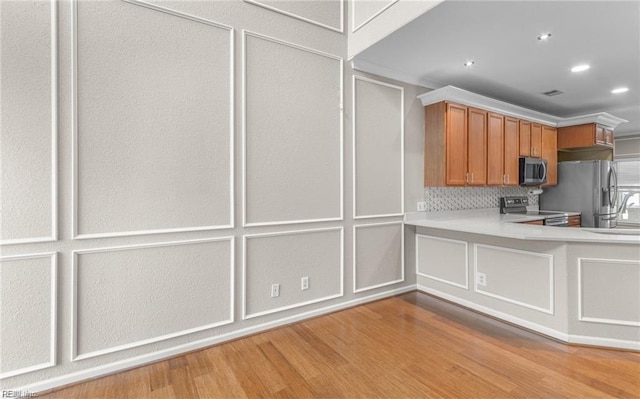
{"x":608,"y":136}
{"x":456,"y":145}
{"x":599,"y":139}
{"x":550,"y":153}
{"x":536,"y":140}
{"x":495,"y":149}
{"x":511,"y":151}
{"x":477,"y":147}
{"x":525,"y":138}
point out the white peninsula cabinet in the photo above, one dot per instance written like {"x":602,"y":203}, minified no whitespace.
{"x":574,"y":285}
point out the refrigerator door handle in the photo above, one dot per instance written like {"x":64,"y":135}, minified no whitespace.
{"x":613,"y":188}
{"x":606,"y":197}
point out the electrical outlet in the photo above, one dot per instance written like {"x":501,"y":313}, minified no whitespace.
{"x":275,"y":290}
{"x":481,"y":279}
{"x":304,"y":283}
{"x":422,"y":206}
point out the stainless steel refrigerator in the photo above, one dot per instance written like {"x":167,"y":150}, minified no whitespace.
{"x":589,"y":187}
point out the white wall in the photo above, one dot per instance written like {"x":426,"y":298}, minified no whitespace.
{"x":162,"y":167}
{"x":627,"y":147}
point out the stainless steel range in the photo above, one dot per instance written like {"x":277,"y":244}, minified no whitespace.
{"x":518,"y":206}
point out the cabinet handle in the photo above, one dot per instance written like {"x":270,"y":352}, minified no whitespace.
{"x":471,"y":177}
{"x":505,"y":179}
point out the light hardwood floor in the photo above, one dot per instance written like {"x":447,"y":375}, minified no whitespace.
{"x":410,"y":346}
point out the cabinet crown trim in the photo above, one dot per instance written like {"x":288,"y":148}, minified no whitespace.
{"x":464,"y":97}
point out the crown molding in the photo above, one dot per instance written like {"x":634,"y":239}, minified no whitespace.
{"x":464,"y":97}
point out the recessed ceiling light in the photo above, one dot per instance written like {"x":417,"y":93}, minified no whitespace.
{"x":544,"y":36}
{"x":580,"y":68}
{"x":620,"y":90}
{"x":469,"y":63}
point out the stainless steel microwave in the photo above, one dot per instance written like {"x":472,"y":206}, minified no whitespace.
{"x":533,"y":171}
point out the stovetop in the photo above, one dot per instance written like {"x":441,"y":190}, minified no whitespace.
{"x":537,"y":213}
{"x":518,"y":206}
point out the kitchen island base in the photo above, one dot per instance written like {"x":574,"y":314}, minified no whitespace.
{"x":577,"y":292}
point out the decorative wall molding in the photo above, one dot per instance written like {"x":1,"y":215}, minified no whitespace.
{"x":432,"y":277}
{"x":581,"y":316}
{"x":354,"y":28}
{"x":339,"y":29}
{"x":54,"y":138}
{"x":355,"y":263}
{"x":53,"y":340}
{"x":74,"y":301}
{"x":75,"y":234}
{"x":245,"y":223}
{"x":247,"y":237}
{"x":152,"y":357}
{"x":559,"y":335}
{"x":354,"y":145}
{"x":549,"y":310}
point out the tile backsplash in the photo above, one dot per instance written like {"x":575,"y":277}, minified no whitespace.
{"x":454,"y":198}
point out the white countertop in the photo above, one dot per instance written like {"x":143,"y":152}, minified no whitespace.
{"x":491,"y":222}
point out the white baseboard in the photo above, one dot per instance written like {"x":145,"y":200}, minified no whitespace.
{"x":138,"y":361}
{"x":500,"y":315}
{"x":564,"y":337}
{"x":604,"y":342}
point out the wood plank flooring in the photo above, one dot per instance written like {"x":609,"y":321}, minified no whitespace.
{"x":410,"y":346}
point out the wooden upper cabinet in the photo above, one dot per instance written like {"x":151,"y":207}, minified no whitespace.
{"x":511,"y":151}
{"x":477,"y":147}
{"x":584,"y":136}
{"x":466,"y":146}
{"x":549,"y":152}
{"x":525,"y":139}
{"x":456,"y":145}
{"x":495,"y":149}
{"x":536,"y":140}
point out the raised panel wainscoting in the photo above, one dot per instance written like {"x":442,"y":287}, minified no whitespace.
{"x":208,"y":150}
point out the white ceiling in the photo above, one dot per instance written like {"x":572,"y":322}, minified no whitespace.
{"x":512,"y":65}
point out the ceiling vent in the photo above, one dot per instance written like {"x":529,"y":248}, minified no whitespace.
{"x":552,"y":93}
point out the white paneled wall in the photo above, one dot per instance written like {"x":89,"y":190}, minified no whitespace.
{"x":378,"y":139}
{"x":134,"y":295}
{"x":443,"y":260}
{"x":28,"y":313}
{"x":326,"y":13}
{"x":206,"y":151}
{"x":378,"y":255}
{"x":153,"y":120}
{"x":599,"y":283}
{"x":284,"y":258}
{"x":28,"y":150}
{"x":506,"y":265}
{"x":364,"y":11}
{"x":292,"y":159}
